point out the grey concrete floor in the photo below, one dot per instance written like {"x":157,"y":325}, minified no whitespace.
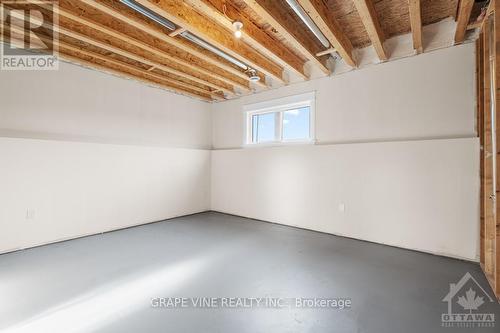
{"x":105,"y":283}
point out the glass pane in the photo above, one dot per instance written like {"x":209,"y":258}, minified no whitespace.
{"x":296,"y":124}
{"x":263,"y":127}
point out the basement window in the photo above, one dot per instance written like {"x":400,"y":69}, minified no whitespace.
{"x":281,"y":121}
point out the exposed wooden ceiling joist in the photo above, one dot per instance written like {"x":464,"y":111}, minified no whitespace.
{"x":287,"y":30}
{"x":113,"y":11}
{"x":124,"y":73}
{"x":152,"y":50}
{"x":464,"y":11}
{"x":121,"y":52}
{"x":489,"y":10}
{"x":325,"y":52}
{"x":416,"y":25}
{"x":182,"y":15}
{"x":125,"y":70}
{"x":222,"y":12}
{"x":275,"y":37}
{"x":372,"y":25}
{"x":147,"y":73}
{"x":176,"y":32}
{"x":330,"y":28}
{"x":171,"y":83}
{"x":138,"y":58}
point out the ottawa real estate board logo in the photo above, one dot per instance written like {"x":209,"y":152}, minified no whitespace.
{"x":29,"y":35}
{"x":466,"y":302}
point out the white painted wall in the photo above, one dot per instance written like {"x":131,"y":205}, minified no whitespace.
{"x":79,"y":104}
{"x":419,"y":195}
{"x":89,"y":152}
{"x":428,"y":96}
{"x":397,"y":148}
{"x":78,"y":188}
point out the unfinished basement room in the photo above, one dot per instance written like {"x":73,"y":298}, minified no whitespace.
{"x":249,"y":166}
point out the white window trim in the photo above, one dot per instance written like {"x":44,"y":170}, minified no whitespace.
{"x":279,"y":105}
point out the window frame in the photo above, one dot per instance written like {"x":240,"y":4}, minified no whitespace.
{"x":279,"y":106}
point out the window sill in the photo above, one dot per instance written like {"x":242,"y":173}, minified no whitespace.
{"x":278,"y":144}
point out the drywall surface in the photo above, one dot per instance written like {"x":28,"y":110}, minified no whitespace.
{"x":419,"y":195}
{"x":117,"y":153}
{"x":427,"y":96}
{"x":84,"y":152}
{"x":395,"y":145}
{"x":53,"y":190}
{"x":79,"y":104}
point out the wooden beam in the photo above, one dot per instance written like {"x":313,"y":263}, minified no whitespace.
{"x":325,"y":52}
{"x":122,"y":73}
{"x":370,"y":21}
{"x":475,"y":25}
{"x":223,"y":77}
{"x":116,"y":50}
{"x":330,"y":28}
{"x":221,"y":11}
{"x":416,"y":25}
{"x":138,"y":70}
{"x":489,"y":11}
{"x":110,"y":10}
{"x":495,"y":86}
{"x":184,"y":16}
{"x":480,"y":131}
{"x":488,"y":101}
{"x":176,"y":32}
{"x":489,"y":213}
{"x":128,"y":40}
{"x":290,"y":37}
{"x":464,"y":11}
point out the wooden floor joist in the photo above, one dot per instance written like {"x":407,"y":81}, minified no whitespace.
{"x":464,"y":11}
{"x":111,"y":10}
{"x":330,"y":28}
{"x":176,"y":32}
{"x":251,"y":34}
{"x":325,"y":52}
{"x":277,"y":41}
{"x":122,"y":52}
{"x":124,"y":72}
{"x":182,"y":15}
{"x":152,"y":50}
{"x":289,"y":36}
{"x":138,"y":70}
{"x":119,"y":73}
{"x":416,"y":25}
{"x":370,"y":21}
